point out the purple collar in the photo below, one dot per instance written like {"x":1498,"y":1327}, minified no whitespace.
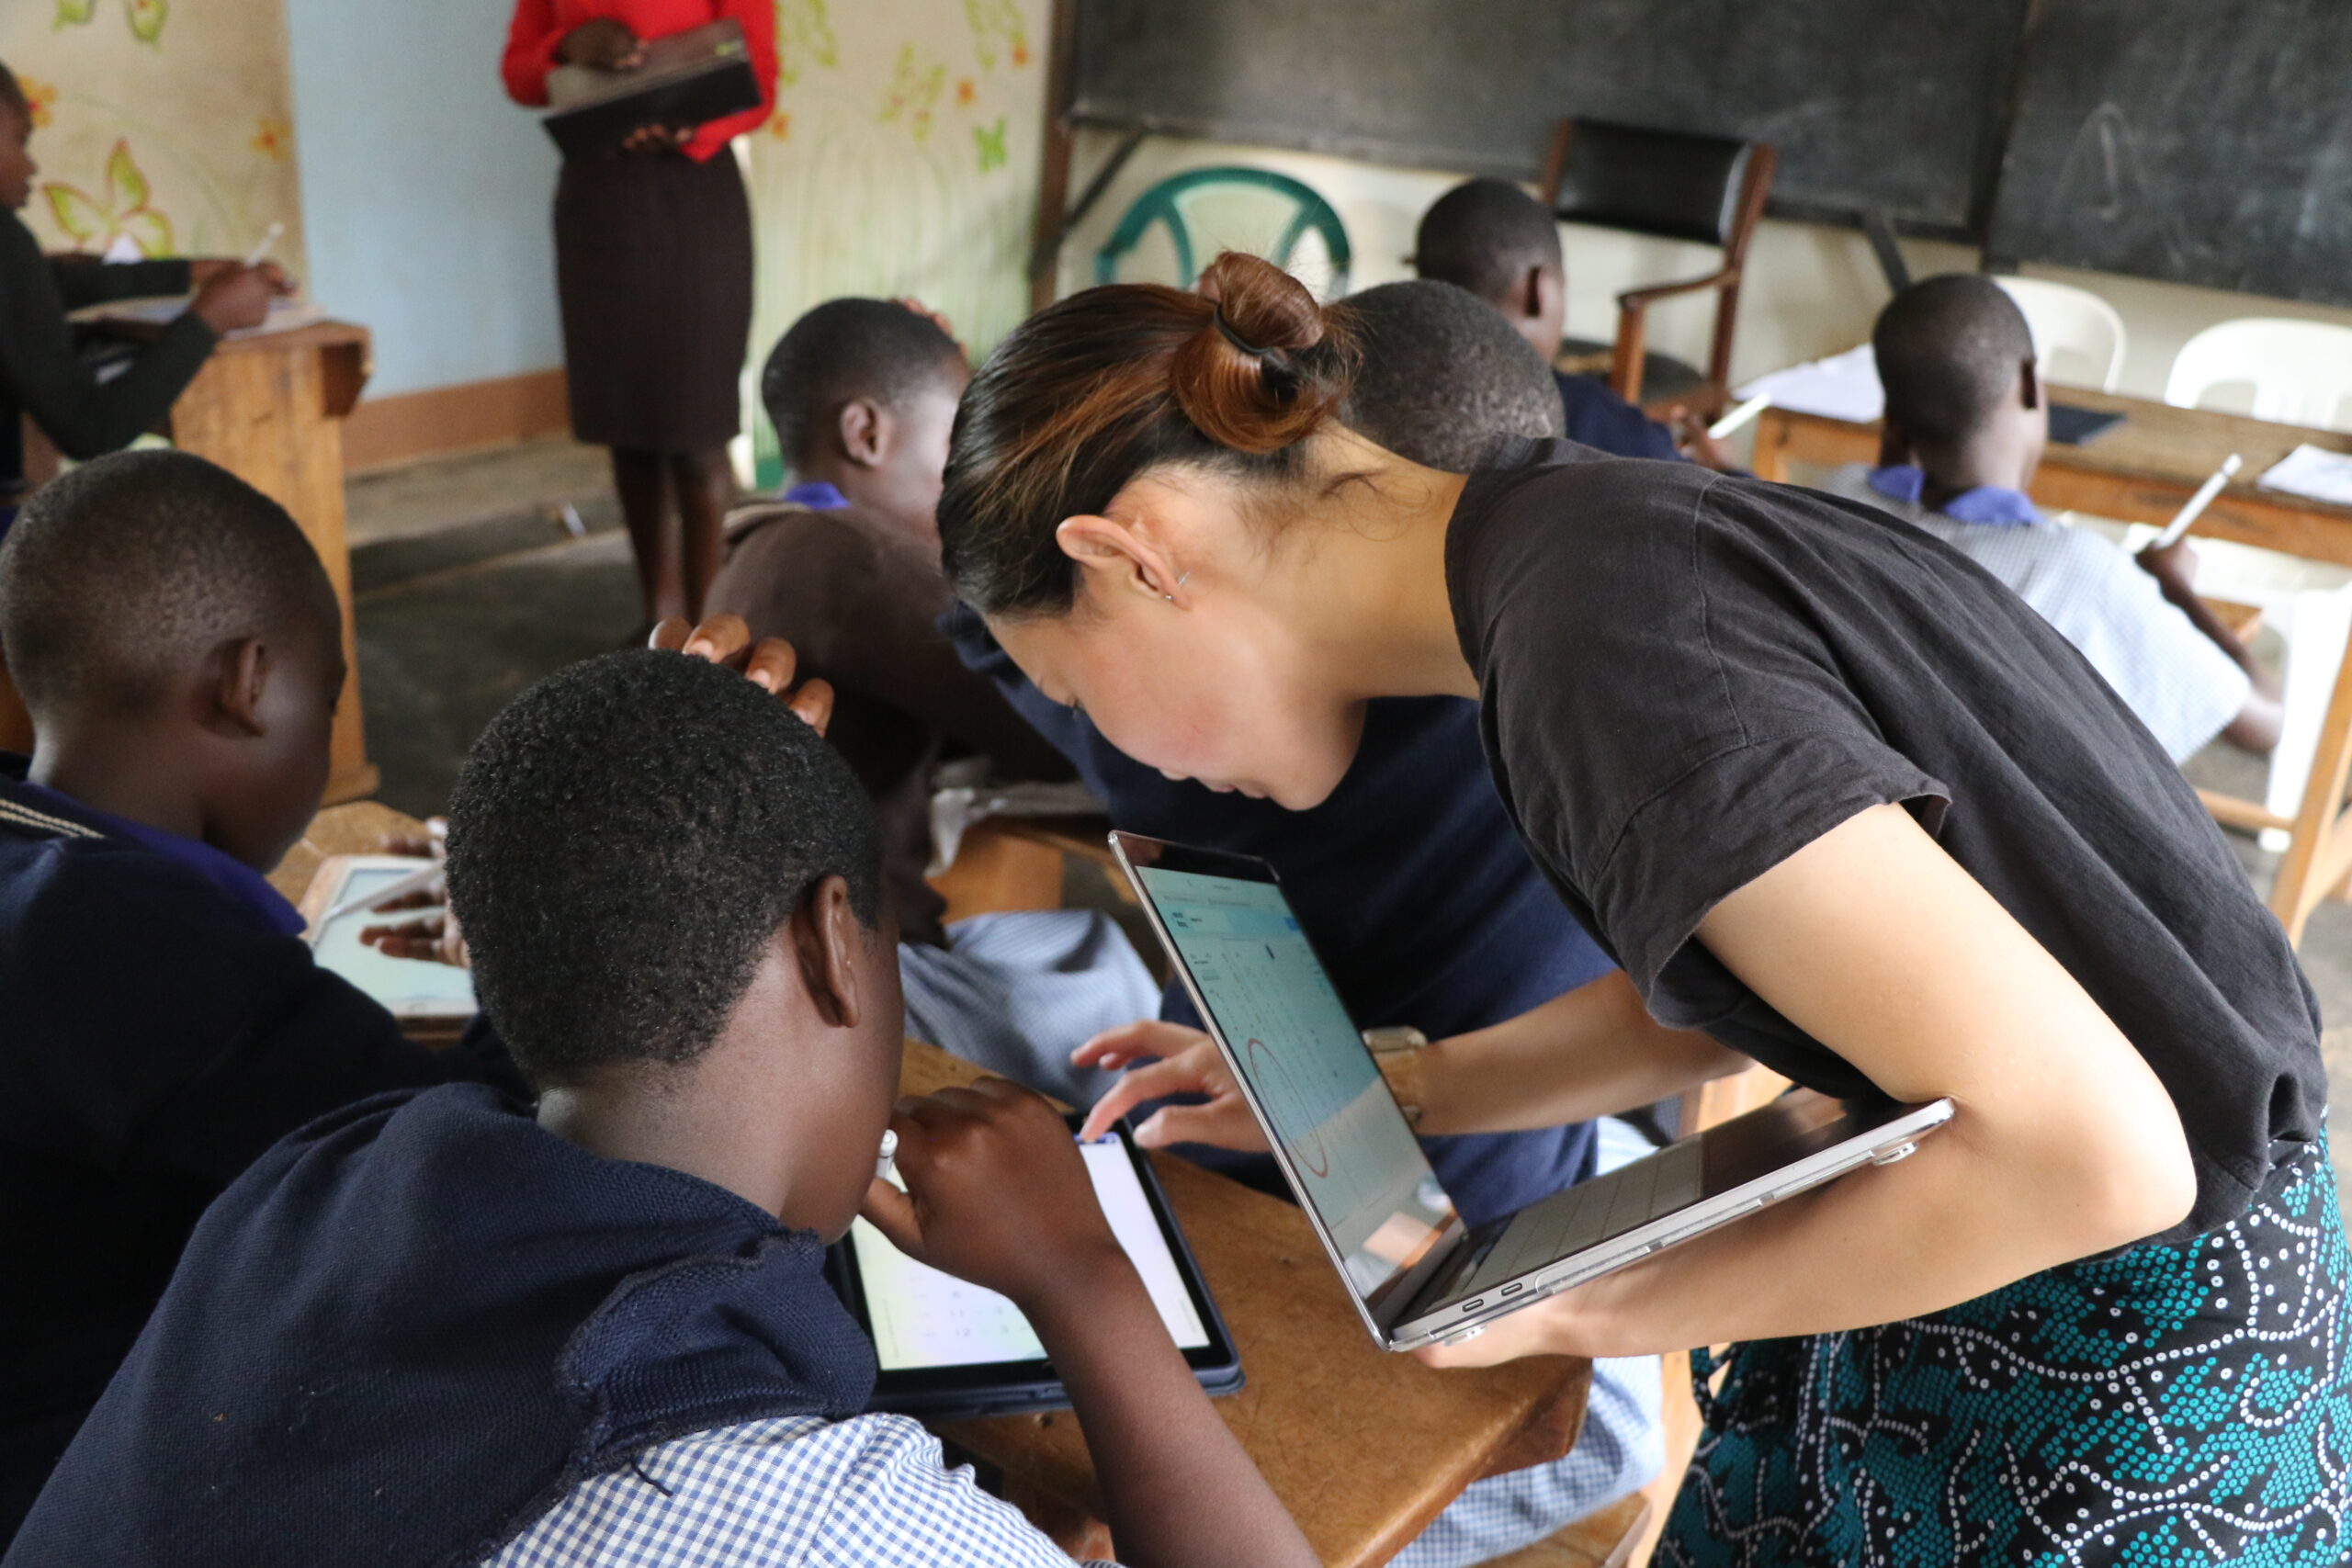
{"x":231,"y":876}
{"x":816,"y":495}
{"x":1989,"y":504}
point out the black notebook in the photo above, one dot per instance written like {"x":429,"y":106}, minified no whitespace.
{"x":688,"y":79}
{"x":2071,"y":426}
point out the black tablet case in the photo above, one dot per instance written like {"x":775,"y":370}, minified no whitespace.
{"x":688,"y":79}
{"x":963,"y":1394}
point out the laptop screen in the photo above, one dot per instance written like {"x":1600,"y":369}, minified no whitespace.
{"x":1351,"y":1155}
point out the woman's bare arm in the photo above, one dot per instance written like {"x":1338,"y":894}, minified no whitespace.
{"x":1875,"y":943}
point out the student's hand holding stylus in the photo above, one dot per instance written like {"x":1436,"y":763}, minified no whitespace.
{"x":1164,"y":1059}
{"x":769,"y":662}
{"x":997,"y":1193}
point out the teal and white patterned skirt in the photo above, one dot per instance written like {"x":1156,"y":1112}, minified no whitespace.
{"x":2163,"y":1408}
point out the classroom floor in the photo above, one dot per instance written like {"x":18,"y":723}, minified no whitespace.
{"x":469,"y":585}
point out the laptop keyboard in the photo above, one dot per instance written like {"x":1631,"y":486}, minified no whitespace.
{"x":1588,"y":1213}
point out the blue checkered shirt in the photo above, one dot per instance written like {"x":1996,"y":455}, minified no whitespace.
{"x":872,"y":1492}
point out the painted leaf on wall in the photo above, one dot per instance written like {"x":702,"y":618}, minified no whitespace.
{"x":147,"y":18}
{"x":990,"y":139}
{"x":804,"y":37}
{"x":74,"y":13}
{"x":995,"y":20}
{"x":127,"y":187}
{"x":76,"y":213}
{"x":912,"y":92}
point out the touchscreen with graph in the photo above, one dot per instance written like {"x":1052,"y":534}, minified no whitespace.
{"x":1350,"y":1154}
{"x":923,"y":1318}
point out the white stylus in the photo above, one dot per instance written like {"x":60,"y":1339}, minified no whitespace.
{"x":268,"y":238}
{"x":423,"y":877}
{"x":1739,"y":415}
{"x":889,"y":1153}
{"x":2198,"y":503}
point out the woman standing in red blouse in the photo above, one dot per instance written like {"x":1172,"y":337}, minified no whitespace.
{"x":653,"y":271}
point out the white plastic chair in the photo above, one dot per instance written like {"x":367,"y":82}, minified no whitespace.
{"x":2073,"y":321}
{"x":2301,"y":371}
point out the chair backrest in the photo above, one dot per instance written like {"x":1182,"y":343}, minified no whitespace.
{"x":1207,"y":210}
{"x":2073,"y":324}
{"x":1663,"y":183}
{"x":2301,"y":371}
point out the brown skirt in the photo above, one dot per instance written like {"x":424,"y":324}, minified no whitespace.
{"x":653,"y":271}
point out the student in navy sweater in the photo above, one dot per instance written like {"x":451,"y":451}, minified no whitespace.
{"x":180,"y":650}
{"x":440,"y":1329}
{"x":1493,"y":238}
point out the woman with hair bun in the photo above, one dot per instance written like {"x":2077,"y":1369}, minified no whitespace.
{"x":1837,"y":802}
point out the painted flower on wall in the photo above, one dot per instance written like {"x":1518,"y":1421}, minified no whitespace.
{"x":273,"y":137}
{"x":125,"y":212}
{"x":146,"y":16}
{"x":994,"y":20}
{"x":40,"y":97}
{"x":913,"y":90}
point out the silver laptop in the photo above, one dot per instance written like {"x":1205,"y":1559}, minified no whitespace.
{"x":1416,"y":1271}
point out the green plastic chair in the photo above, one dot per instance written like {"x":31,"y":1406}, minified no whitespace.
{"x":1230,"y":209}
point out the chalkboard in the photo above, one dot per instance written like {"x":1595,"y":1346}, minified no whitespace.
{"x":1893,"y":104}
{"x":2205,"y":142}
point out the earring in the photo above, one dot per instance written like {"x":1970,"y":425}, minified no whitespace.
{"x":1179,"y":583}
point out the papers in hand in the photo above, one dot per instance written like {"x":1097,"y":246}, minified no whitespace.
{"x":163,"y":309}
{"x":1844,"y":386}
{"x":2313,"y":471}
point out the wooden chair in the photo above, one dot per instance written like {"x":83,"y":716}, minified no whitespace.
{"x":1708,"y":190}
{"x":2318,"y":858}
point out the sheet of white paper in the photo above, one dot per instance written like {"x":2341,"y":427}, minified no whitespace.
{"x":1844,"y":386}
{"x":2313,"y":471}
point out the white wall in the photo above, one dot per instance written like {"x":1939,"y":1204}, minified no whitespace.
{"x":1810,"y":291}
{"x":426,"y":191}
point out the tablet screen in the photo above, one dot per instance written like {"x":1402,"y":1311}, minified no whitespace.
{"x":923,"y":1318}
{"x":398,"y":983}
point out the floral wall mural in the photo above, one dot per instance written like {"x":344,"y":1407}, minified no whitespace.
{"x":902,"y":160}
{"x":161,"y":126}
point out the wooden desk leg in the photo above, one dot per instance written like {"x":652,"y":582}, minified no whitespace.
{"x":264,"y":416}
{"x":2314,"y":860}
{"x":1772,"y":455}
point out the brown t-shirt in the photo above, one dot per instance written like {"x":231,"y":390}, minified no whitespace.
{"x":858,"y":599}
{"x":1686,"y":677}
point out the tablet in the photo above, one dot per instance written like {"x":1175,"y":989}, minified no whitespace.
{"x":409,"y":988}
{"x":951,"y":1350}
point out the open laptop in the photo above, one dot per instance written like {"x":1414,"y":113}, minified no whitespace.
{"x":1416,"y":1271}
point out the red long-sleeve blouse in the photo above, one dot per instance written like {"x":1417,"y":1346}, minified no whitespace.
{"x":539,"y":25}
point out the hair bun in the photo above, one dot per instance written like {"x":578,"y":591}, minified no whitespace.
{"x":1263,"y":371}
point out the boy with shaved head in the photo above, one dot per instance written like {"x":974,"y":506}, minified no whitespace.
{"x":1966,"y":421}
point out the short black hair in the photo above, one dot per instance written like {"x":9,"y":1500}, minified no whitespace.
{"x":845,"y":349}
{"x":624,"y":838}
{"x":1485,"y":236}
{"x":1949,"y":351}
{"x":137,"y":566}
{"x":1442,"y":374}
{"x":12,"y":94}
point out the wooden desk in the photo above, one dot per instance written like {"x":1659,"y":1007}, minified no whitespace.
{"x":270,"y":410}
{"x":2140,"y":472}
{"x":1364,"y":1447}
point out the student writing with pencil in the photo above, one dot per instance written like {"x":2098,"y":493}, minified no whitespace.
{"x":42,"y":376}
{"x":1835,"y":802}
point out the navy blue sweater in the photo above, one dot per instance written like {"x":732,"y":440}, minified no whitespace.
{"x":159,"y":1034}
{"x":413,"y":1327}
{"x":1409,"y":879}
{"x":1599,"y":417}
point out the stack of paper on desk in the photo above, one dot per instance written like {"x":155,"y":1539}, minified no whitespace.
{"x":2313,"y":471}
{"x":1844,"y":386}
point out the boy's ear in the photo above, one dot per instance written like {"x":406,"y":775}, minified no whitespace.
{"x":2030,"y":382}
{"x":829,"y":937}
{"x":865,"y":428}
{"x":1530,"y":294}
{"x":239,"y":680}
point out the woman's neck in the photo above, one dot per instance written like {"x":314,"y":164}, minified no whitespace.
{"x":1376,"y":604}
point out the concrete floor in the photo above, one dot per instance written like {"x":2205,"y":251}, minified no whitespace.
{"x":458,"y":616}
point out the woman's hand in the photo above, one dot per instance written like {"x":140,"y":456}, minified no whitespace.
{"x":1182,"y":1060}
{"x":768,"y":663}
{"x":652,"y":140}
{"x":605,"y":44}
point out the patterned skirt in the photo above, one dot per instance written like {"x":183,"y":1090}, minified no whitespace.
{"x":2163,"y":1408}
